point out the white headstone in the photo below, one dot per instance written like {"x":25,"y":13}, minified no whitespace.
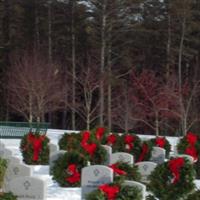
{"x":54,"y":157}
{"x":4,"y":153}
{"x":12,"y":160}
{"x":158,"y":155}
{"x":28,"y":188}
{"x":145,"y":168}
{"x":15,"y":170}
{"x":94,"y":176}
{"x":109,"y":152}
{"x":53,"y":148}
{"x":138,"y":185}
{"x":121,"y":157}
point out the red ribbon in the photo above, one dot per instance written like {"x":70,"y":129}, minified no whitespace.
{"x":116,"y":170}
{"x":99,"y":133}
{"x":145,"y":150}
{"x":191,"y":138}
{"x":160,"y":142}
{"x":110,"y":191}
{"x":36,"y":142}
{"x":89,"y":148}
{"x":111,"y":139}
{"x":75,"y":175}
{"x":175,"y":166}
{"x":85,"y":137}
{"x":191,"y":150}
{"x":129,"y":139}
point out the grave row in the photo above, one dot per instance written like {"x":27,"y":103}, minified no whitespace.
{"x":19,"y":179}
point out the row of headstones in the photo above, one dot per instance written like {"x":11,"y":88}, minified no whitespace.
{"x":19,"y":178}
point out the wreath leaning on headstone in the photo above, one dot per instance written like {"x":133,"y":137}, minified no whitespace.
{"x":115,"y":191}
{"x":67,"y":169}
{"x":162,"y":142}
{"x":35,"y":149}
{"x":130,"y":143}
{"x":69,"y":141}
{"x":190,"y":145}
{"x":172,"y":179}
{"x":123,"y":171}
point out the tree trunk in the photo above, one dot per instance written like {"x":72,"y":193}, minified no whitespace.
{"x":157,"y":124}
{"x":50,"y":46}
{"x":73,"y":66}
{"x":37,"y":32}
{"x":102,"y":67}
{"x":168,"y":49}
{"x":49,"y":32}
{"x":88,"y":121}
{"x":109,"y":89}
{"x":127,"y":110}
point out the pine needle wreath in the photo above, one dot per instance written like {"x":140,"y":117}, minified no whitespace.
{"x":7,"y":196}
{"x":91,"y":149}
{"x":162,"y":142}
{"x":66,"y":170}
{"x":120,"y":192}
{"x":145,"y":151}
{"x":69,"y":141}
{"x":113,"y":140}
{"x":123,"y":171}
{"x":190,"y":144}
{"x":168,"y":185}
{"x":130,"y":143}
{"x":194,"y":196}
{"x":35,"y":149}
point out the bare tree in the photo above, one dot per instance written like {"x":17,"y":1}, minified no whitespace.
{"x":87,"y":96}
{"x":34,"y":87}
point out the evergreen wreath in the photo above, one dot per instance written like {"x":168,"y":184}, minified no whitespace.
{"x":7,"y":196}
{"x":190,"y":144}
{"x":115,"y":191}
{"x":130,"y":143}
{"x":69,"y":141}
{"x":162,"y":142}
{"x":91,"y":149}
{"x":35,"y":149}
{"x":66,"y":170}
{"x":123,"y":171}
{"x":145,"y":151}
{"x":194,"y":196}
{"x":172,"y":179}
{"x":113,"y":140}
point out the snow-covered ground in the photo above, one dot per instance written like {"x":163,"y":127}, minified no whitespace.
{"x":55,"y":192}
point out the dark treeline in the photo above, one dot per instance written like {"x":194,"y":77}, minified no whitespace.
{"x":125,"y":64}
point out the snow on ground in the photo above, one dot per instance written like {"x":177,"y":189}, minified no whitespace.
{"x":54,"y":192}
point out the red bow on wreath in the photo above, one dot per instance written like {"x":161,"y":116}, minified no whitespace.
{"x":110,"y":191}
{"x":175,"y":166}
{"x":191,"y":138}
{"x":75,"y":175}
{"x":99,"y":133}
{"x":191,"y":150}
{"x":111,"y":139}
{"x":36,"y":142}
{"x":89,"y":148}
{"x":145,"y":150}
{"x":116,"y":170}
{"x":129,"y":139}
{"x":160,"y":142}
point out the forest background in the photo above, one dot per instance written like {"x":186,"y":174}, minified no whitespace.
{"x":129,"y":65}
